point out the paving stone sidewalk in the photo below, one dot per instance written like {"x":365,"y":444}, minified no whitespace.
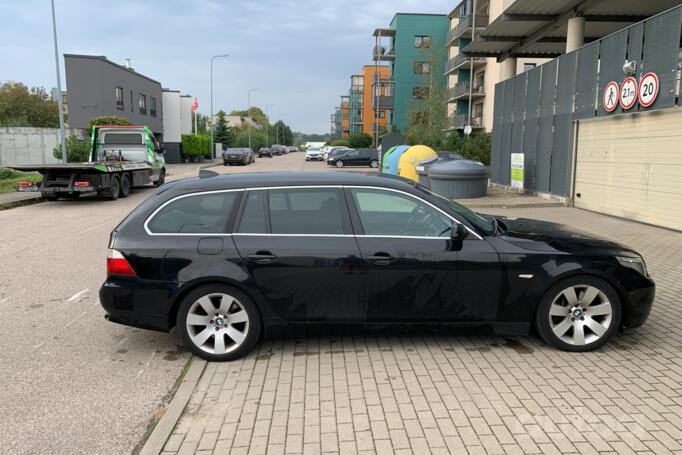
{"x":458,"y":392}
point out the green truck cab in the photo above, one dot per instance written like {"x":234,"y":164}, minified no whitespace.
{"x":121,"y":158}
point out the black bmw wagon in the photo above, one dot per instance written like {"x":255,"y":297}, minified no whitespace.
{"x":227,"y":259}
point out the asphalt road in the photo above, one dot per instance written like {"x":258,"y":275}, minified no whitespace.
{"x":71,"y":382}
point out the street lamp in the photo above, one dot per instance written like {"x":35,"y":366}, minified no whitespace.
{"x":60,"y":102}
{"x":267,"y":122}
{"x":249,"y":113}
{"x":211,"y":119}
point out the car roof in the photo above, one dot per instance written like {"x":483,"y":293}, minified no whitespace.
{"x":268,"y":179}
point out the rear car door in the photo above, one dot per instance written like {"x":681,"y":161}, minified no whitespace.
{"x":412,"y":273}
{"x":298,"y":247}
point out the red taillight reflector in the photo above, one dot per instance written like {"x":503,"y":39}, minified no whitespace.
{"x":25,"y":184}
{"x":118,"y":265}
{"x":81,"y":184}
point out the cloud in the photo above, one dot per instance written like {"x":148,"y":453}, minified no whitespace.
{"x":299,"y":54}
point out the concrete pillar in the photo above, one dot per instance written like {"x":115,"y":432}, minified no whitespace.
{"x":575,"y":33}
{"x":507,"y":69}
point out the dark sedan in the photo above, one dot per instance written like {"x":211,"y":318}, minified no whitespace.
{"x":241,"y":156}
{"x":227,"y":259}
{"x":265,"y":152}
{"x":361,"y":157}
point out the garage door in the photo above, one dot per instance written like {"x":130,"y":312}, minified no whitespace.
{"x":631,"y":166}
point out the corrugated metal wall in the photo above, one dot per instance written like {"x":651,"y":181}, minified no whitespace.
{"x":534,"y":111}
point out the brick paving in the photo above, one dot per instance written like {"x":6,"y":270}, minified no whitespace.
{"x":458,"y":392}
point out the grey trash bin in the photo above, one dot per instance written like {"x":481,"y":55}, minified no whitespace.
{"x":457,"y":179}
{"x":423,"y":166}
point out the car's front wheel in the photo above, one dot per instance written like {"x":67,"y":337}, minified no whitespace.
{"x":339,"y":163}
{"x":579,"y":314}
{"x":374,"y":164}
{"x":218,"y":322}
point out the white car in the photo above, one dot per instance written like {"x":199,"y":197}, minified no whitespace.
{"x":313,"y":153}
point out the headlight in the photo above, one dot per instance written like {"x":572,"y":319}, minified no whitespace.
{"x":634,"y":264}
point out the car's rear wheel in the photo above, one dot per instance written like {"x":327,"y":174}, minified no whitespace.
{"x":114,"y":189}
{"x":125,"y":186}
{"x":579,"y":314}
{"x":339,"y":163}
{"x":218,"y":322}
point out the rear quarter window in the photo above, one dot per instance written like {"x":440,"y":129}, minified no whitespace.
{"x":207,"y":213}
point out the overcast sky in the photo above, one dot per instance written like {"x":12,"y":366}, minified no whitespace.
{"x":299,"y":54}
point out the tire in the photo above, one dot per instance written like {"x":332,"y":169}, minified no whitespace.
{"x":592,"y":314}
{"x":374,"y":164}
{"x":125,"y":186}
{"x":339,"y":164}
{"x":200,"y":338}
{"x":162,"y":178}
{"x":224,"y":163}
{"x":115,"y":188}
{"x":51,"y":196}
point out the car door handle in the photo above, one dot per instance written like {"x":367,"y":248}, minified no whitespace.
{"x":262,"y":257}
{"x":380,"y":258}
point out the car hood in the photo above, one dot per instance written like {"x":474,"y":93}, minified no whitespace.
{"x":547,"y":236}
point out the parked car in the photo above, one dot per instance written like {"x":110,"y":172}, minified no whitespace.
{"x":264,"y":152}
{"x":241,"y":156}
{"x":336,"y":151}
{"x":278,"y":149}
{"x":228,"y":258}
{"x":360,"y":157}
{"x":292,"y":149}
{"x":313,"y":153}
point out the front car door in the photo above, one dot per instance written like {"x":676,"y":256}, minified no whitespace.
{"x":412,"y":273}
{"x":298,"y":247}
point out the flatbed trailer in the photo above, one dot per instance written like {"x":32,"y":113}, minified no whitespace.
{"x":112,"y":173}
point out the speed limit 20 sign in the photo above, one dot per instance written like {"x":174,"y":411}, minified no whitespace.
{"x":648,"y":89}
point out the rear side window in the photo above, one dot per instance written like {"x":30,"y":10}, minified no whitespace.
{"x":306,"y":211}
{"x":200,"y":214}
{"x":253,"y":220}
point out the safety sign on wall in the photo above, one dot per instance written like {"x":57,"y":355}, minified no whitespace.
{"x":517,"y":170}
{"x":629,"y":91}
{"x":610,"y":96}
{"x":648,"y":89}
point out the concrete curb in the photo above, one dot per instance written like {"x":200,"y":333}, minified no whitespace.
{"x":162,"y":431}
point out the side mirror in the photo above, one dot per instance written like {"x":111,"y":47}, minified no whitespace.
{"x":457,"y":235}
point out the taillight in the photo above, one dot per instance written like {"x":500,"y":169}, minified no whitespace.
{"x":118,"y":265}
{"x":25,"y":184}
{"x":81,"y":184}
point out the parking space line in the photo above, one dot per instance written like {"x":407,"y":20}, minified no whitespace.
{"x":77,"y":295}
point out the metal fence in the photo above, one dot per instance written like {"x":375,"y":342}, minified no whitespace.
{"x":534,"y":112}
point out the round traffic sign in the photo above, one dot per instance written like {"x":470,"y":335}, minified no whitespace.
{"x":628,"y":93}
{"x":610,"y":96}
{"x":648,"y":89}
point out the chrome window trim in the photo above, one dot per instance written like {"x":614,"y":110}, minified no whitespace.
{"x":208,"y":234}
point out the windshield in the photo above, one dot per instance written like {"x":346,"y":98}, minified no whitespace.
{"x":482,"y":223}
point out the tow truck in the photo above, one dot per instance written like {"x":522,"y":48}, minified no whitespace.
{"x":120,"y":158}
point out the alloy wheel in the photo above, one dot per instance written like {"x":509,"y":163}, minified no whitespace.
{"x":580,"y":315}
{"x":217,"y":323}
{"x":339,"y":164}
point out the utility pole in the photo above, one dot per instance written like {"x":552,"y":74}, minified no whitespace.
{"x":267,"y":123}
{"x":249,"y":113}
{"x":471,"y":67}
{"x":211,"y":118}
{"x":60,"y":101}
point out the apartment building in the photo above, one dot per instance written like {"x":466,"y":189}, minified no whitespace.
{"x":471,"y":81}
{"x":355,"y":100}
{"x":412,"y":48}
{"x":375,"y":120}
{"x":345,"y":116}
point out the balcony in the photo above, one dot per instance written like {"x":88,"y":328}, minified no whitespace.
{"x":459,"y":121}
{"x":382,"y":102}
{"x":461,"y":91}
{"x":464,"y":62}
{"x":384,"y":54}
{"x":464,"y":26}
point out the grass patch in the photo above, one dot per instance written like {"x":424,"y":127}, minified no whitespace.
{"x":9,"y":178}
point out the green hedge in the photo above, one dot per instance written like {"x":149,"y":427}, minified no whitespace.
{"x":196,"y":145}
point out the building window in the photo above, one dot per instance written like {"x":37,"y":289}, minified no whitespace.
{"x":422,"y":41}
{"x":420,"y":93}
{"x":119,"y":98}
{"x":528,"y":66}
{"x":422,"y":68}
{"x":152,"y":106}
{"x":382,"y":114}
{"x":142,"y":103}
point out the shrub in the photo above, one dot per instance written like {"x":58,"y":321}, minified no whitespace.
{"x":475,"y":147}
{"x":107,"y":121}
{"x":339,"y":143}
{"x":360,"y":140}
{"x":77,"y":150}
{"x":196,"y":145}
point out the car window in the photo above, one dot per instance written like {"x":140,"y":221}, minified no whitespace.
{"x":352,"y":153}
{"x":305,"y":211}
{"x":199,"y":214}
{"x":390,"y":213}
{"x":253,"y":219}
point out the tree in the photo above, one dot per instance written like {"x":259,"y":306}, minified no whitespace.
{"x":202,"y":123}
{"x":360,"y":140}
{"x":195,"y":145}
{"x":109,"y":120}
{"x":77,"y":150}
{"x":223,"y":133}
{"x":255,"y":112}
{"x":23,"y":106}
{"x":339,"y":143}
{"x":475,"y":147}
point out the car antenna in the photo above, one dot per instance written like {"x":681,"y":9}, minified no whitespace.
{"x":206,"y":174}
